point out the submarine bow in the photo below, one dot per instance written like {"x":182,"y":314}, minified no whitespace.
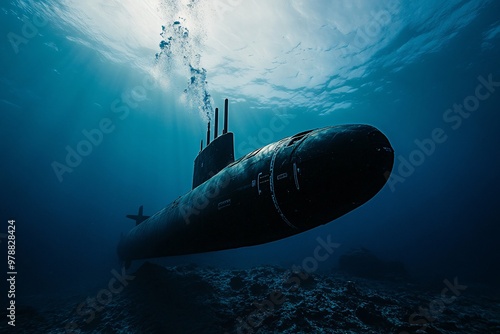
{"x":274,"y":192}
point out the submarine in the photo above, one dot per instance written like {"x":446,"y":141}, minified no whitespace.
{"x":279,"y":190}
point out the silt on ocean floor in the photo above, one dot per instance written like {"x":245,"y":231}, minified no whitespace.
{"x":267,"y":299}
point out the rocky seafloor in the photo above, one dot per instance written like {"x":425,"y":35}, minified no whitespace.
{"x":192,"y":299}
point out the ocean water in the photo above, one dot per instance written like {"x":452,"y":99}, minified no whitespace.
{"x":143,"y":78}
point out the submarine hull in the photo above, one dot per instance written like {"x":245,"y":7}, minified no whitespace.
{"x":277,"y":191}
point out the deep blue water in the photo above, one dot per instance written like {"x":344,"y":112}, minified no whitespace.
{"x":69,"y":68}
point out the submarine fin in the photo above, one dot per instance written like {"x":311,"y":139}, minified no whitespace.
{"x":139,"y":217}
{"x":217,"y":154}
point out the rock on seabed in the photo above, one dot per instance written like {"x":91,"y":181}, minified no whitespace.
{"x":192,"y":299}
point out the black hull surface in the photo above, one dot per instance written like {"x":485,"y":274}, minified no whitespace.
{"x":277,"y":191}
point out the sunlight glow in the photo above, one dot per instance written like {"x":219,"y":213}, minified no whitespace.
{"x":274,"y":51}
{"x":128,"y":30}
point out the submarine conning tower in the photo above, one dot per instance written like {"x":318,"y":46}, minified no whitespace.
{"x":217,"y":154}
